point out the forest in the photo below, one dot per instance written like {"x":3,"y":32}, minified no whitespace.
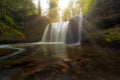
{"x":17,"y":17}
{"x":59,"y":39}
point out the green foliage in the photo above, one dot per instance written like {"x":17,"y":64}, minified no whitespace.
{"x":86,"y":5}
{"x":18,"y":12}
{"x":20,"y":9}
{"x":9,"y":34}
{"x":10,"y":21}
{"x":112,"y":34}
{"x":73,"y":9}
{"x":53,"y":11}
{"x":77,"y":7}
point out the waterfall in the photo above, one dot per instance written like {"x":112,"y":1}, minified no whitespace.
{"x":55,"y":32}
{"x":64,"y":32}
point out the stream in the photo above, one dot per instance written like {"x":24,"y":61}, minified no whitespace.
{"x":38,"y":61}
{"x":19,"y":50}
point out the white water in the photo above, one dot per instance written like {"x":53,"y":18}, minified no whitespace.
{"x":55,"y":32}
{"x":61,"y":32}
{"x":20,"y":50}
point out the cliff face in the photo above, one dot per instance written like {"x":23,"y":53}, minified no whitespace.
{"x":34,"y":31}
{"x":104,"y":13}
{"x":101,"y":23}
{"x":73,"y":35}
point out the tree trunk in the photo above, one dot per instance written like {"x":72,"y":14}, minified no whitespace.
{"x":53,"y":11}
{"x":2,"y":9}
{"x":39,"y":8}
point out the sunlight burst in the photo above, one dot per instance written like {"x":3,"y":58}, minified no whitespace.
{"x":35,"y":2}
{"x":63,"y":3}
{"x":43,"y":3}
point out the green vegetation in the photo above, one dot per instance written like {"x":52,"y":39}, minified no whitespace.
{"x":16,"y":16}
{"x":77,"y":7}
{"x":13,"y":19}
{"x":9,"y":34}
{"x":112,"y":34}
{"x":53,"y":11}
{"x":86,"y":4}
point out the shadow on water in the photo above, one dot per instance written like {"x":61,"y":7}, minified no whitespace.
{"x":61,"y":62}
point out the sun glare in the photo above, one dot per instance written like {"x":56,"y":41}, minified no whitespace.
{"x":63,"y":3}
{"x":44,"y":4}
{"x":35,"y":2}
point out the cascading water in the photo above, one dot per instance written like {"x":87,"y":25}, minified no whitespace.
{"x":64,"y":32}
{"x":55,"y":32}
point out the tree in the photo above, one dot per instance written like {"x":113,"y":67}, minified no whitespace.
{"x":66,"y":15}
{"x":39,"y":7}
{"x":85,"y":4}
{"x":53,"y":11}
{"x":73,"y":9}
{"x":77,"y":7}
{"x":20,"y":10}
{"x":3,"y":11}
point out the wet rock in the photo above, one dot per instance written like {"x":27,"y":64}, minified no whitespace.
{"x":29,"y":65}
{"x":5,"y":67}
{"x":73,"y":33}
{"x":36,"y":27}
{"x":104,"y":14}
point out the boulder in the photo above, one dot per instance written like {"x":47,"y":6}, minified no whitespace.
{"x":74,"y":30}
{"x":103,"y":15}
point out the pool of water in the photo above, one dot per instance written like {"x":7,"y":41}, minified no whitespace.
{"x":61,"y":62}
{"x":5,"y":51}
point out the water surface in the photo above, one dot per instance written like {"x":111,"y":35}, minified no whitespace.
{"x":61,"y":62}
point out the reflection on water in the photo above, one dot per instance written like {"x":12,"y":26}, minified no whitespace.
{"x":61,"y":62}
{"x":60,"y":51}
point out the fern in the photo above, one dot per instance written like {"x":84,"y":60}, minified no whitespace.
{"x":10,"y":21}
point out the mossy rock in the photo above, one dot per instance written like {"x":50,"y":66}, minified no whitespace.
{"x":112,"y":34}
{"x":9,"y":34}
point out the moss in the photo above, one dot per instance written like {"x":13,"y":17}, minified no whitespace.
{"x":9,"y":34}
{"x":112,"y":34}
{"x":86,"y":4}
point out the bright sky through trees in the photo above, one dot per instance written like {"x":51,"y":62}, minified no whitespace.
{"x":62,"y":3}
{"x":35,"y":1}
{"x":44,"y":5}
